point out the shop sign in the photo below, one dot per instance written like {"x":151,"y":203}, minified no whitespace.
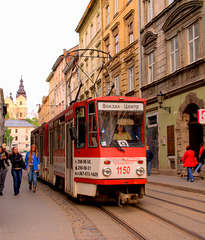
{"x":201,"y":116}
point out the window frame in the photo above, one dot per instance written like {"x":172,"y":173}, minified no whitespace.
{"x":131,"y":78}
{"x":131,"y":32}
{"x":116,"y":43}
{"x":151,"y":67}
{"x":174,"y":53}
{"x":193,"y":41}
{"x":108,"y":15}
{"x":117,"y":85}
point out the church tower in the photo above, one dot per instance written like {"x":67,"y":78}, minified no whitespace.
{"x":21,"y":101}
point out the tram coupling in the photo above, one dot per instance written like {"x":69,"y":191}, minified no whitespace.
{"x":124,"y":198}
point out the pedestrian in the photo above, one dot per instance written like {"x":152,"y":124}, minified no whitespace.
{"x":149,"y":155}
{"x":32,"y":166}
{"x":3,"y":169}
{"x":7,"y":155}
{"x":189,"y":162}
{"x":16,"y":171}
{"x":201,"y":149}
{"x":201,"y":162}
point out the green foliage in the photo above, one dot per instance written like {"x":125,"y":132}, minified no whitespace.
{"x":33,"y":121}
{"x":7,"y":136}
{"x":7,"y":116}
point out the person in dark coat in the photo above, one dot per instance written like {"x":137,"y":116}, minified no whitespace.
{"x":149,"y":155}
{"x":16,"y":171}
{"x":189,"y":162}
{"x":3,"y":169}
{"x":201,"y":162}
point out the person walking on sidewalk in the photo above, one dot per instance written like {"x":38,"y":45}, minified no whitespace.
{"x":201,"y":162}
{"x":149,"y":155}
{"x":189,"y":162}
{"x":16,"y":171}
{"x":3,"y":169}
{"x":32,"y":166}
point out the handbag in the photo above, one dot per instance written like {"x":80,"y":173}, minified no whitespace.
{"x":23,"y":165}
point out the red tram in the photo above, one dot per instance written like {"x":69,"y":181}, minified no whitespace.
{"x":78,"y":150}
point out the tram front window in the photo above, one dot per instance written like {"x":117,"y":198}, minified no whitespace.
{"x":121,"y":123}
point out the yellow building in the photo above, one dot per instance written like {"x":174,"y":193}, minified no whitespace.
{"x":43,"y":111}
{"x":17,"y":110}
{"x":120,"y":39}
{"x":20,"y":131}
{"x":51,"y":109}
{"x":90,"y":38}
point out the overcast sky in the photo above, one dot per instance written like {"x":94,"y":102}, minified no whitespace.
{"x":33,"y":35}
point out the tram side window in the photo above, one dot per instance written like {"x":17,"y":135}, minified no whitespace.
{"x":55,"y":140}
{"x":92,"y":130}
{"x":61,"y":136}
{"x":80,"y":126}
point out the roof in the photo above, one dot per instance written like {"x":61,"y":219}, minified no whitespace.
{"x":17,"y":123}
{"x":88,"y":9}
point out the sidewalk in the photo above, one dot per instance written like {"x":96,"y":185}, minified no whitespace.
{"x":31,"y":216}
{"x":198,"y":186}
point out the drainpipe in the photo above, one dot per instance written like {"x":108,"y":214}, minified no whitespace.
{"x":139,"y":44}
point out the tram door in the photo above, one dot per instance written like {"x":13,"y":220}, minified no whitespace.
{"x":69,"y":159}
{"x":41,"y":148}
{"x":50,"y":155}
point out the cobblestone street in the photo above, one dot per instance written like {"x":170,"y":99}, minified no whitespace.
{"x":46,"y":215}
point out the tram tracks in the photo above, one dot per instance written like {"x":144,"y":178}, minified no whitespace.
{"x":176,"y":204}
{"x":172,"y":224}
{"x":136,"y":234}
{"x":175,"y":195}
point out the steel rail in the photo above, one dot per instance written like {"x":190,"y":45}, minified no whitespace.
{"x":176,"y":226}
{"x":176,"y":204}
{"x":175,"y":195}
{"x":123,"y":224}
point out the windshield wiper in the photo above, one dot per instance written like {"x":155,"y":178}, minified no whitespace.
{"x":116,"y":144}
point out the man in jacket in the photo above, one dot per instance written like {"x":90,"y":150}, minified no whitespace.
{"x":149,"y":159}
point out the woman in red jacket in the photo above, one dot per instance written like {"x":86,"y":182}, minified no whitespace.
{"x":189,"y":162}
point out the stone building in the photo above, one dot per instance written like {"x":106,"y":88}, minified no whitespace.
{"x":90,"y":61}
{"x":2,"y":116}
{"x":173,"y":67}
{"x":17,"y":110}
{"x":120,"y":39}
{"x":43,"y":111}
{"x":20,"y":131}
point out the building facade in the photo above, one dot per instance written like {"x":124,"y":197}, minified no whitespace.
{"x":21,"y":132}
{"x":173,"y":62}
{"x":43,"y":111}
{"x":90,"y":61}
{"x":2,"y":116}
{"x":17,"y":110}
{"x":120,"y":39}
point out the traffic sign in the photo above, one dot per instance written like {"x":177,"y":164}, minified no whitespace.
{"x":201,"y":116}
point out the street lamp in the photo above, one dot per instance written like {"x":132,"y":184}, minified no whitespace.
{"x":160,"y":100}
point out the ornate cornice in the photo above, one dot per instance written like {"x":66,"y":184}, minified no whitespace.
{"x":180,"y":13}
{"x":148,"y":38}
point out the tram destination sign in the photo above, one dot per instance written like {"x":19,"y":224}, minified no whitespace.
{"x":120,"y":106}
{"x":201,"y":116}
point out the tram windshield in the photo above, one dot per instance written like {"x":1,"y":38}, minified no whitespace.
{"x":121,"y":124}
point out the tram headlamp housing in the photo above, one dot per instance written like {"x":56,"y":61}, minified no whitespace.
{"x":106,"y":171}
{"x":140,"y":171}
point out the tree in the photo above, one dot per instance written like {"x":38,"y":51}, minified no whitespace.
{"x":33,"y":121}
{"x":7,"y":137}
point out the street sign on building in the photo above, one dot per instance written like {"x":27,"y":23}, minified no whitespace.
{"x":201,"y":116}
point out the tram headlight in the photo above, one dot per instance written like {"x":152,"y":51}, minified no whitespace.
{"x":140,"y":171}
{"x":106,"y":171}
